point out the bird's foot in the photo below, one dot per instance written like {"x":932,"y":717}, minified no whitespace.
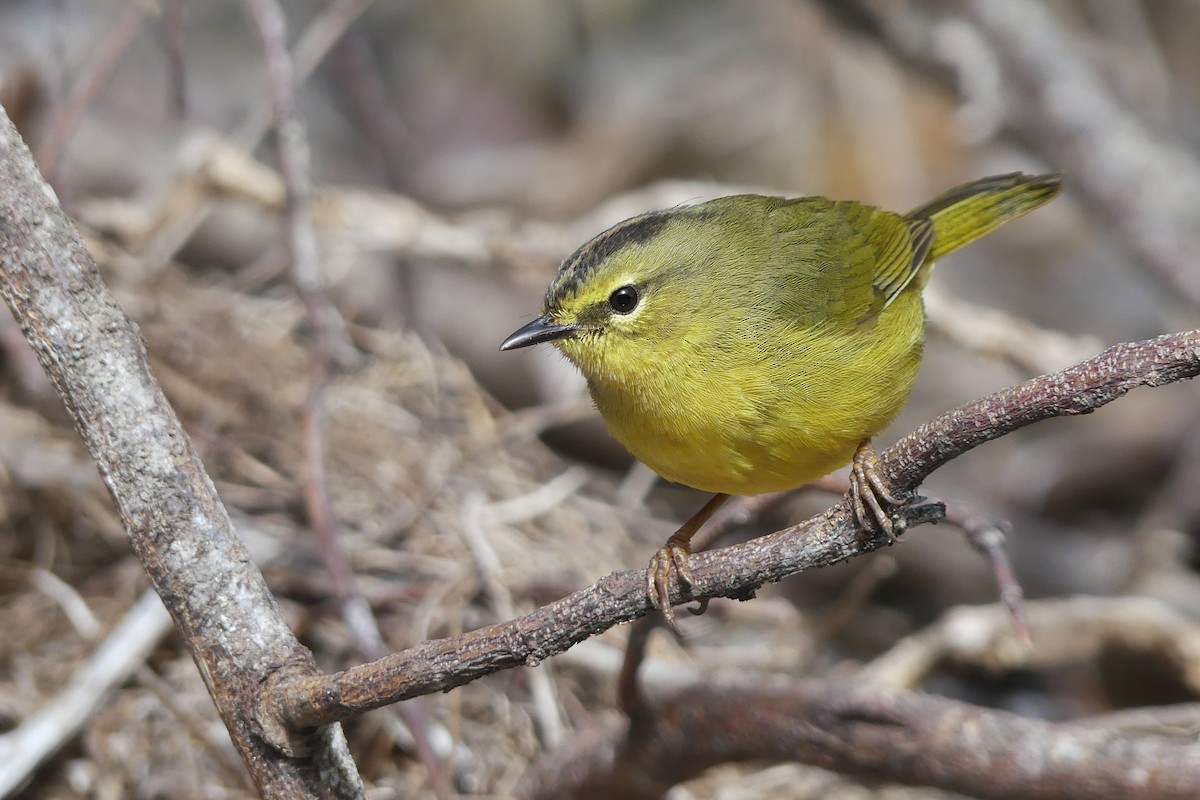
{"x":876,"y":508}
{"x":671,"y":558}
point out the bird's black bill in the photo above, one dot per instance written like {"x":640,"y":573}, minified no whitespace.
{"x":536,"y":332}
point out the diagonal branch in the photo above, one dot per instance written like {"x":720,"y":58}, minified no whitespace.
{"x":176,"y":524}
{"x":291,"y":701}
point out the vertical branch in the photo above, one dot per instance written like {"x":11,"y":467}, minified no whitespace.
{"x":323,"y":320}
{"x":327,"y":342}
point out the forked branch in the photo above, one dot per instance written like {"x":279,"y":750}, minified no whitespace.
{"x":291,"y":701}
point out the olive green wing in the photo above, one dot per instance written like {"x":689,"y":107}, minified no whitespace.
{"x":847,"y":260}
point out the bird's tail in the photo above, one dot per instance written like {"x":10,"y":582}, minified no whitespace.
{"x":966,"y":212}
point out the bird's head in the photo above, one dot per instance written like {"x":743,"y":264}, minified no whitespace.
{"x":621,"y":303}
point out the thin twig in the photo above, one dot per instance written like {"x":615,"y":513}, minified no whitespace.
{"x":327,"y":343}
{"x":120,"y":654}
{"x":171,"y":34}
{"x":293,"y":157}
{"x":99,"y":70}
{"x":987,"y":536}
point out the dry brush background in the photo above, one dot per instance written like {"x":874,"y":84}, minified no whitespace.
{"x":459,"y":150}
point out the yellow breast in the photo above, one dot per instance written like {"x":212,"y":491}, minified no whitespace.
{"x":766,"y":418}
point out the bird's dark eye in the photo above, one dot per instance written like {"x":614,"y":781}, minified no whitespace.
{"x":623,"y":300}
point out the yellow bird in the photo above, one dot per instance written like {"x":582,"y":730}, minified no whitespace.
{"x":752,"y":344}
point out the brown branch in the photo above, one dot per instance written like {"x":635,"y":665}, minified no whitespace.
{"x":987,"y":536}
{"x":323,"y":321}
{"x":735,"y":572}
{"x":92,"y":79}
{"x":171,"y":38}
{"x":901,"y":737}
{"x":176,"y":524}
{"x":190,"y":209}
{"x":327,"y":340}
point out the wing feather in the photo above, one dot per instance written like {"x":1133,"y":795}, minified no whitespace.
{"x":848,"y":260}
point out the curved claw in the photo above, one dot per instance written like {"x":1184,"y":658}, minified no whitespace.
{"x":672,"y":557}
{"x":875,"y":507}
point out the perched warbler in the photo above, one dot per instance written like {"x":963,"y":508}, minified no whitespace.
{"x":753,"y":344}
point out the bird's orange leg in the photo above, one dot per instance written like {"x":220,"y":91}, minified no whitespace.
{"x":873,"y":503}
{"x":673,"y":557}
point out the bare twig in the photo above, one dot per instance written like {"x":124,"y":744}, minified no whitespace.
{"x":118,"y":656}
{"x":987,"y":536}
{"x":311,"y":47}
{"x":328,"y":343}
{"x":323,"y":320}
{"x":93,"y":77}
{"x":291,"y":150}
{"x":171,"y":32}
{"x":178,"y":527}
{"x":882,"y":734}
{"x":735,"y":571}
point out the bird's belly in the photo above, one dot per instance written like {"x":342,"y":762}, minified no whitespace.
{"x":718,"y":454}
{"x":749,"y":430}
